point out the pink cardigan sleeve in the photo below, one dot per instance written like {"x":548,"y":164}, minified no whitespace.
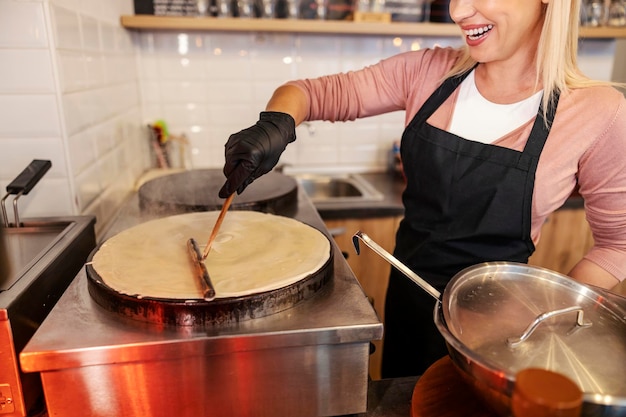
{"x":401,"y":82}
{"x":602,"y":183}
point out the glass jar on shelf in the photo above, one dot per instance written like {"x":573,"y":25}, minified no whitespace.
{"x":593,"y":13}
{"x":617,"y":13}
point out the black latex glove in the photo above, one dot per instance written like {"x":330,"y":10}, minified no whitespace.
{"x":254,"y":151}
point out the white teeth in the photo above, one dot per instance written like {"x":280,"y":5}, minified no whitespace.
{"x":477,"y":32}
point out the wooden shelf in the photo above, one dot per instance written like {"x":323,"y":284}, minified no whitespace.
{"x":337,"y":27}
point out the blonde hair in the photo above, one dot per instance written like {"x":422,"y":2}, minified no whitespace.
{"x":557,"y":51}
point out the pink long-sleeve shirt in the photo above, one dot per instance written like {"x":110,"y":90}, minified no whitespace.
{"x":586,"y":145}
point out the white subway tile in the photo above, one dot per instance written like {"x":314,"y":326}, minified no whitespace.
{"x":26,"y":71}
{"x":151,"y":90}
{"x":78,"y":111}
{"x":229,"y":67}
{"x":23,"y":25}
{"x":182,"y":67}
{"x":108,"y":169}
{"x":34,"y":115}
{"x":272,"y":68}
{"x":230,"y":92}
{"x":319,"y":132}
{"x":68,"y":4}
{"x":111,"y":10}
{"x":204,"y":150}
{"x":181,"y":91}
{"x":232,"y":115}
{"x":90,"y":28}
{"x":232,"y":44}
{"x":124,"y":40}
{"x":66,"y":25}
{"x":123,"y":97}
{"x":271,"y":43}
{"x":148,"y":67}
{"x":290,"y":155}
{"x":314,"y":153}
{"x":96,"y":209}
{"x":120,"y":68}
{"x":51,"y":197}
{"x":320,"y":44}
{"x":150,"y":112}
{"x":312,"y":63}
{"x":362,"y":46}
{"x":180,"y":43}
{"x":366,"y":154}
{"x":263,"y":90}
{"x":108,"y":37}
{"x":95,"y":69}
{"x":146,"y":43}
{"x":72,"y":70}
{"x":17,"y":153}
{"x":186,"y":113}
{"x":88,"y":186}
{"x":104,"y":137}
{"x":82,"y":151}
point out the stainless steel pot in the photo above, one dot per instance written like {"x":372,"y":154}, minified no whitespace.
{"x":500,"y":317}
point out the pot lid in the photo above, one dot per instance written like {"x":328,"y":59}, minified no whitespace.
{"x":511,"y":317}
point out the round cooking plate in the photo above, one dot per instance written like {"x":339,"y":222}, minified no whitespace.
{"x":197,"y":190}
{"x":259,"y":263}
{"x":199,"y":312}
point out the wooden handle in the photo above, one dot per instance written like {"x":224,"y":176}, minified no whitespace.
{"x":202,"y":275}
{"x":218,"y":223}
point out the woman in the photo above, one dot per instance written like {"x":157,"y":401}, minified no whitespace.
{"x":498,"y":135}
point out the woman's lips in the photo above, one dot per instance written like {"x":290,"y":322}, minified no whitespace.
{"x":476,"y":35}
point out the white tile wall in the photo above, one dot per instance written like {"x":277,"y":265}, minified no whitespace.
{"x":211,"y":85}
{"x":71,"y":95}
{"x":23,"y":25}
{"x":81,"y":90}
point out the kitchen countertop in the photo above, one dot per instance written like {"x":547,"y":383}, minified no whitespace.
{"x":391,"y":187}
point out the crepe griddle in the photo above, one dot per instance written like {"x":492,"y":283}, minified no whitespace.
{"x":197,"y":190}
{"x":198,"y":312}
{"x":178,"y":312}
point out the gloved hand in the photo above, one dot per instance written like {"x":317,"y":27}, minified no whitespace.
{"x":254,"y":151}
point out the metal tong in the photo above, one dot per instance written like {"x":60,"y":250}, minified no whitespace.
{"x":197,"y":257}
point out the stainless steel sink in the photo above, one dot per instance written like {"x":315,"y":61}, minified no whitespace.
{"x":327,"y":188}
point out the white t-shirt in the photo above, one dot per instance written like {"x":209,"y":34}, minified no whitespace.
{"x":476,"y":118}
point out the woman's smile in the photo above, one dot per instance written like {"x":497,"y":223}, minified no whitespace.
{"x":477,"y":33}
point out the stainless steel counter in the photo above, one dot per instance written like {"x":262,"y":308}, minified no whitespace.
{"x":311,"y":360}
{"x":44,"y":255}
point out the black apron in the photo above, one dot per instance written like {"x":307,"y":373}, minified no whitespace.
{"x":465,"y":203}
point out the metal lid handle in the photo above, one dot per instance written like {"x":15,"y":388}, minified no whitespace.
{"x":516,"y":341}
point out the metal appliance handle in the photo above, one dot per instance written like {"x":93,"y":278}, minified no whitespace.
{"x":394,"y":262}
{"x":22,"y":184}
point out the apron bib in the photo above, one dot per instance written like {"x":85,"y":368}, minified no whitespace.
{"x":466,"y":203}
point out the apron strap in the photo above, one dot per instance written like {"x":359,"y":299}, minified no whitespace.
{"x":438,"y":97}
{"x":539,"y":133}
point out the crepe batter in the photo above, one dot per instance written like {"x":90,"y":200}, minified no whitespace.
{"x":253,"y":252}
